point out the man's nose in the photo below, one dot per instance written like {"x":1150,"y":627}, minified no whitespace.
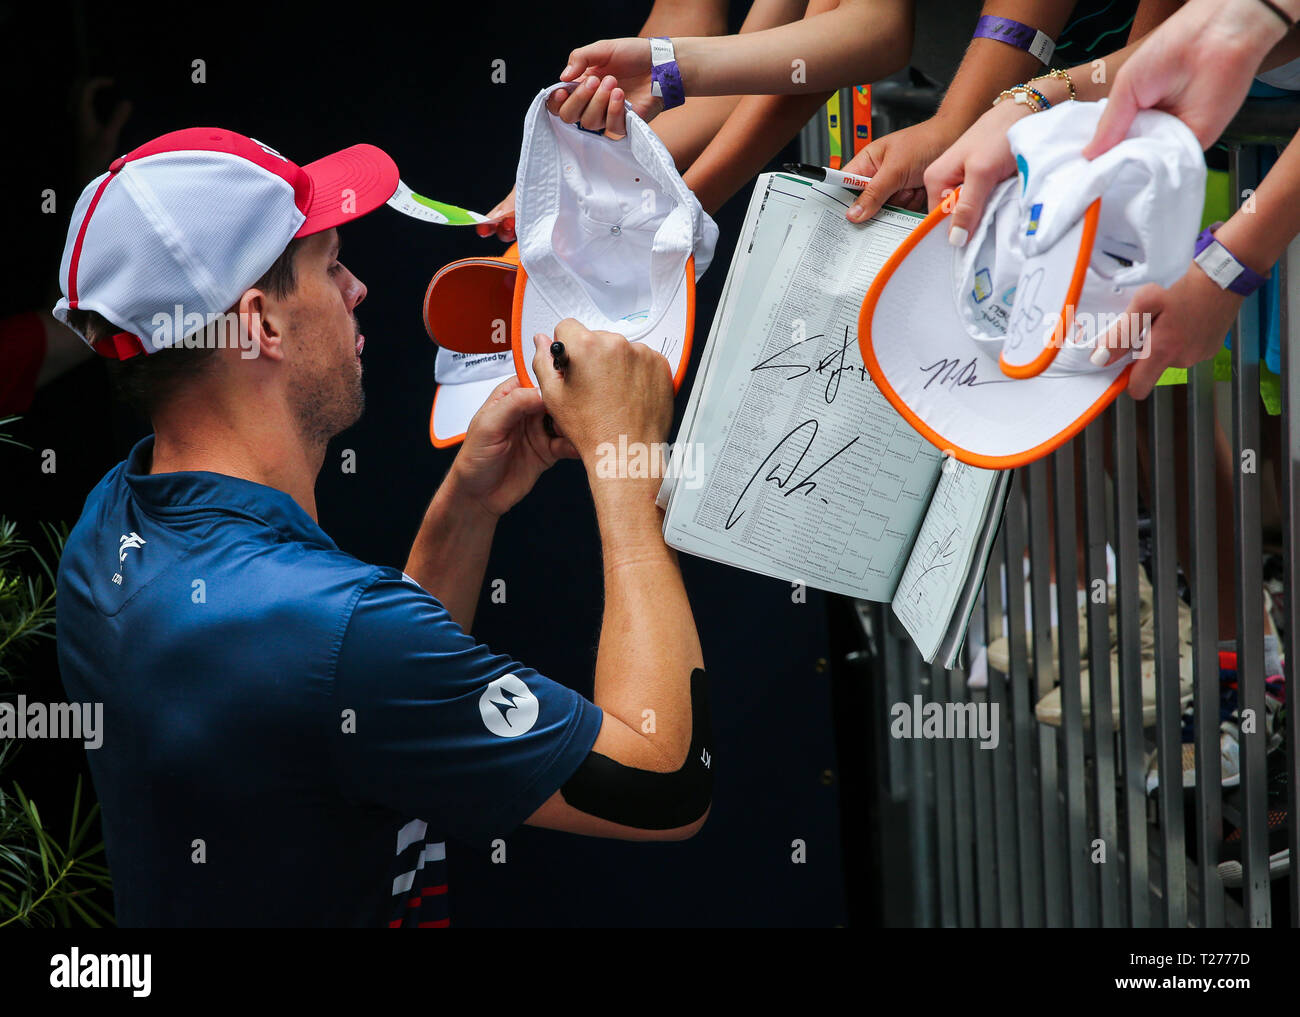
{"x":354,"y":292}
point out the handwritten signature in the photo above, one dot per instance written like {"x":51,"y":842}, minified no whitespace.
{"x":952,"y":372}
{"x":833,"y":363}
{"x":937,"y":555}
{"x":807,"y":485}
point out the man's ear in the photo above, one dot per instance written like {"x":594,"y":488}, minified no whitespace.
{"x":260,"y":325}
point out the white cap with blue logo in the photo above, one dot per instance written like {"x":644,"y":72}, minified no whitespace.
{"x":996,"y":368}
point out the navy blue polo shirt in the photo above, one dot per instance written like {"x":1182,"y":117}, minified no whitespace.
{"x":289,"y":733}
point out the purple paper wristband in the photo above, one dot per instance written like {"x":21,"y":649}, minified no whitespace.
{"x":1245,"y":282}
{"x":1013,"y":33}
{"x":666,"y":81}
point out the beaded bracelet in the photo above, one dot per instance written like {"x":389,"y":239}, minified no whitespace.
{"x":1056,"y":72}
{"x":1026,"y":95}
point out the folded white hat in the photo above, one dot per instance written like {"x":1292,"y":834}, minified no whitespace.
{"x":466,"y":310}
{"x":465,"y":380}
{"x":609,"y":234}
{"x":985,"y":349}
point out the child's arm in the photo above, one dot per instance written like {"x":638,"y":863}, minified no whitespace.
{"x":857,"y":40}
{"x":687,"y":130}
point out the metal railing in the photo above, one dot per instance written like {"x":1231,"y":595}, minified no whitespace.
{"x":1055,"y":826}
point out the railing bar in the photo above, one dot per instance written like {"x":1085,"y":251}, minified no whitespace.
{"x":1040,"y":544}
{"x":943,"y":804}
{"x":1132,"y":748}
{"x":964,"y":817}
{"x":1203,"y":575}
{"x":1249,"y":586}
{"x":1024,"y":728}
{"x":1076,"y":847}
{"x":1103,"y":723}
{"x":1164,"y":539}
{"x":1290,"y":330}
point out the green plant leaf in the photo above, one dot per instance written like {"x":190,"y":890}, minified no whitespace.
{"x":72,"y":903}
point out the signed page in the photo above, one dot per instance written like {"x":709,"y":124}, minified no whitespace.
{"x":935,"y":579}
{"x":775,"y":204}
{"x":805,"y":472}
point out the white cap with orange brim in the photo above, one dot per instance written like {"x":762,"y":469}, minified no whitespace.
{"x":986,"y":349}
{"x":467,"y":308}
{"x":609,"y":234}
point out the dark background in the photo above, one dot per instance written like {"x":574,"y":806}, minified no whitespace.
{"x":311,"y":79}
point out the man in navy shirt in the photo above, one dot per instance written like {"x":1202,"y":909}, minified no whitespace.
{"x":289,"y":733}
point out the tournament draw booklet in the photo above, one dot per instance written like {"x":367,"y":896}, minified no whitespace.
{"x":790,"y":463}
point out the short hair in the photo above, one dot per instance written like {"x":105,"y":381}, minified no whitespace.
{"x":146,"y":381}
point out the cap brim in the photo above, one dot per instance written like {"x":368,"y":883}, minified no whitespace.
{"x":671,"y":335}
{"x":468,"y":304}
{"x":950,"y":387}
{"x":454,"y":406}
{"x":1047,"y":294}
{"x":347,"y":185}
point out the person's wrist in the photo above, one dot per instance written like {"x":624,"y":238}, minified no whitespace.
{"x":1012,"y":111}
{"x":693,"y":59}
{"x":1263,"y":12}
{"x":952,"y":122}
{"x":1238,"y":239}
{"x":611,"y":479}
{"x":1026,"y":96}
{"x":456,"y":495}
{"x":1207,"y":290}
{"x":611,"y":458}
{"x":626,"y":510}
{"x":1205,"y":286}
{"x":1053,"y":88}
{"x":1248,"y":24}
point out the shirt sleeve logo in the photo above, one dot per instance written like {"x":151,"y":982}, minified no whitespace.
{"x":508,"y":706}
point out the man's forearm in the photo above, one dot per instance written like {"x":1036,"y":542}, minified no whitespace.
{"x":450,"y":552}
{"x":648,"y":641}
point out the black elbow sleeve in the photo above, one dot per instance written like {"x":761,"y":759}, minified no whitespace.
{"x":646,"y":799}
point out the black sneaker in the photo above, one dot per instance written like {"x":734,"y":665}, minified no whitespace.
{"x":1230,"y":867}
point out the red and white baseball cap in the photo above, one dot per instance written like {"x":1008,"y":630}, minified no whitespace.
{"x":192,"y":219}
{"x":609,"y":234}
{"x":986,"y":349}
{"x":467,"y":313}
